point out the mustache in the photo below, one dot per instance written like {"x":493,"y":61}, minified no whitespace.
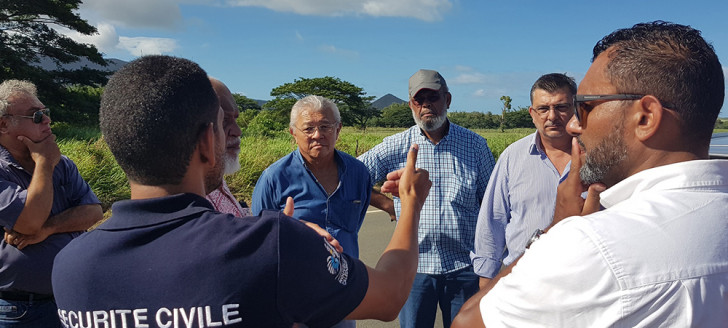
{"x":233,"y":143}
{"x":550,"y":124}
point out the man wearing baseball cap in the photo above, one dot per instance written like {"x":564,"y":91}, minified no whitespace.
{"x":460,"y":163}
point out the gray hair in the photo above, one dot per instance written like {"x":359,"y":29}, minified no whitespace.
{"x":11,"y":87}
{"x":316,"y":104}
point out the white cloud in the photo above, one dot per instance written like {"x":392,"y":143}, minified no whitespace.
{"x":140,"y":46}
{"x":469,"y":78}
{"x":351,"y":54}
{"x":106,"y":40}
{"x":426,"y":10}
{"x":164,"y":14}
{"x":109,"y":43}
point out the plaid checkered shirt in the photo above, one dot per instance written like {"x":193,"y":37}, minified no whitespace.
{"x":459,"y":167}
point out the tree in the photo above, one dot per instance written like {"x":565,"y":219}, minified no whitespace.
{"x":506,"y":107}
{"x":396,"y":116}
{"x":245,"y":103}
{"x":519,"y":119}
{"x":26,"y":38}
{"x":354,"y":105}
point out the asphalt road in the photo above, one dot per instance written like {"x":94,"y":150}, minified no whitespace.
{"x":374,"y":236}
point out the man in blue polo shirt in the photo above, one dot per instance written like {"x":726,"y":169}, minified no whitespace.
{"x":165,"y":258}
{"x":329,"y":187}
{"x":44,"y":204}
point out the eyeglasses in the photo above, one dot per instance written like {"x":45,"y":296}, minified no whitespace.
{"x":311,"y":130}
{"x":561,"y":108}
{"x":581,"y":107}
{"x":431,"y":98}
{"x":37,"y":116}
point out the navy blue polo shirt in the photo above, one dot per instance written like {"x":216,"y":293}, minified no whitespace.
{"x":29,"y":269}
{"x":175,"y":262}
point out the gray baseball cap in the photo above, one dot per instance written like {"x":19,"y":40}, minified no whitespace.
{"x":425,"y":79}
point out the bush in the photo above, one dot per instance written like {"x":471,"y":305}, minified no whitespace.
{"x":268,"y":124}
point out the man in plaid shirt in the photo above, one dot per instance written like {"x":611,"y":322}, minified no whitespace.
{"x":460,"y":164}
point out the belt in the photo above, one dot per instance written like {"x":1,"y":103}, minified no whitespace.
{"x":23,"y":296}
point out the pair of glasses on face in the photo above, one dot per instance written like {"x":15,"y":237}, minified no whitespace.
{"x":558,"y":108}
{"x":37,"y":116}
{"x":421,"y":99}
{"x":582,"y":108}
{"x":322,"y":129}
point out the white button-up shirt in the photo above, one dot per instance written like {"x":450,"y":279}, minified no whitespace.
{"x":657,"y":256}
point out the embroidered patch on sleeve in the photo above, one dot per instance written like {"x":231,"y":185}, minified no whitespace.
{"x":337,"y":265}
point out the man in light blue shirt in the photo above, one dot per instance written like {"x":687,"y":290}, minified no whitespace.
{"x":460,"y":163}
{"x":329,"y":187}
{"x":522,"y":190}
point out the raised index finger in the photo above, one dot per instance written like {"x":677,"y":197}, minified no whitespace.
{"x":412,"y":157}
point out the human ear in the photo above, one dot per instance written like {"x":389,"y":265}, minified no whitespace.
{"x":3,"y":125}
{"x":648,"y":117}
{"x":206,"y":145}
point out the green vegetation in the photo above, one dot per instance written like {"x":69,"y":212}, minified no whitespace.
{"x":88,"y":150}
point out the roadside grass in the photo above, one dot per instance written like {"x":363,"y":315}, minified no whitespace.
{"x":85,"y":146}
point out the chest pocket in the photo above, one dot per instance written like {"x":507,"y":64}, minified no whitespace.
{"x":463,"y":185}
{"x":345,"y":214}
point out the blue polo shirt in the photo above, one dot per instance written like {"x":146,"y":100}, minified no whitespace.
{"x":29,"y":270}
{"x":341,"y":213}
{"x":175,"y":262}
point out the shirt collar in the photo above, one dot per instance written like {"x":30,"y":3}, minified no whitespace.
{"x":146,"y":212}
{"x":337,"y":157}
{"x":707,"y":174}
{"x":535,"y":148}
{"x":444,"y":134}
{"x":8,"y":158}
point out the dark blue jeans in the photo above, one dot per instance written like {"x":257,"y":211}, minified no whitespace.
{"x":450,"y":290}
{"x":29,"y":314}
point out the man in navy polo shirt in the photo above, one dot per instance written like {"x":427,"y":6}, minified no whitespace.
{"x":44,"y":203}
{"x":166,"y":259}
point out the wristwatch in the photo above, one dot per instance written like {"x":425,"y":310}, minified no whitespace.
{"x":534,"y":237}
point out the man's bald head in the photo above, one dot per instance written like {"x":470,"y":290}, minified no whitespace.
{"x":232,"y":130}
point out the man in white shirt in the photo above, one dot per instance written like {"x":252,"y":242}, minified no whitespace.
{"x":656,"y":254}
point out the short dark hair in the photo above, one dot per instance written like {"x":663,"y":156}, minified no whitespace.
{"x":554,"y":82}
{"x":153,"y":111}
{"x":673,"y":63}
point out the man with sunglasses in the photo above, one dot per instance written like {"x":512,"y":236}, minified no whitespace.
{"x":44,"y":204}
{"x":656,"y":254}
{"x":523,"y":184}
{"x":460,"y":163}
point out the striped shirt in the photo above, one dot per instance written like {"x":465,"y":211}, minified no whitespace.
{"x":520,"y":199}
{"x":459,"y":167}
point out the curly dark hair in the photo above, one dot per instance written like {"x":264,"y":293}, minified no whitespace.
{"x":673,"y":63}
{"x":152,"y":113}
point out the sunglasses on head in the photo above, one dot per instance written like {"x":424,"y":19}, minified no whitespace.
{"x":37,"y":115}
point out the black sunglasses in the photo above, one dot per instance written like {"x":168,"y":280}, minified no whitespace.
{"x":37,"y":115}
{"x":580,"y":102}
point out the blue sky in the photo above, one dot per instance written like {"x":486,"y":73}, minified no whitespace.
{"x":484,"y":49}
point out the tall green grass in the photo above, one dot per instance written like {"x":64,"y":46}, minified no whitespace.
{"x":85,"y":146}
